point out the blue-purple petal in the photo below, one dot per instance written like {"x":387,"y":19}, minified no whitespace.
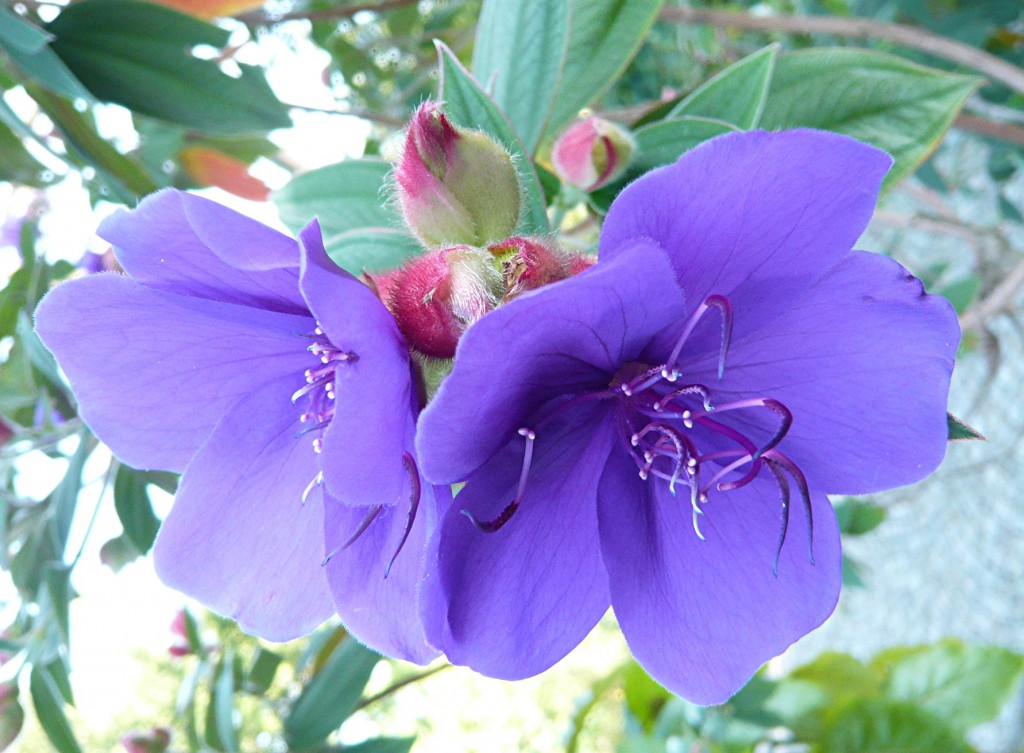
{"x":703,"y":616}
{"x":239,"y":537}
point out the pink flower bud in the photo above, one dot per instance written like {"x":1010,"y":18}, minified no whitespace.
{"x":528,"y":263}
{"x":455,"y":186}
{"x":436,"y":296}
{"x":180,"y":645}
{"x":12,"y":716}
{"x":155,"y":740}
{"x":592,"y":152}
{"x":6,"y":432}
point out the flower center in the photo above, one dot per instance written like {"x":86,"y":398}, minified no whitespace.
{"x":319,"y":387}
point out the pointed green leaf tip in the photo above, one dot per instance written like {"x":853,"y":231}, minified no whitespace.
{"x":959,"y":430}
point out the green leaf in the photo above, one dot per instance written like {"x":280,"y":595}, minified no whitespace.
{"x":134,"y":507}
{"x":349,"y":195}
{"x":521,"y":47}
{"x":737,"y":94}
{"x":467,"y":105}
{"x":961,"y":684}
{"x":382,"y":745}
{"x":371,"y":249}
{"x":20,"y":34}
{"x":331,"y":696}
{"x":64,"y":499}
{"x":644,"y":696}
{"x":45,"y":66}
{"x":264,"y":667}
{"x":962,"y":292}
{"x":883,"y":726}
{"x":222,"y":706}
{"x":841,"y":676}
{"x":665,"y":142}
{"x":604,"y":36}
{"x":897,"y":106}
{"x":58,"y":591}
{"x":851,"y":572}
{"x":18,"y":165}
{"x":857,"y":517}
{"x":49,"y":706}
{"x":138,"y":54}
{"x":957,"y":429}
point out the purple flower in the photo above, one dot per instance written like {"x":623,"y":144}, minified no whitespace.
{"x":280,"y":386}
{"x":659,"y":433}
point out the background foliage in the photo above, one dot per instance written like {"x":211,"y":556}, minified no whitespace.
{"x":114,"y":99}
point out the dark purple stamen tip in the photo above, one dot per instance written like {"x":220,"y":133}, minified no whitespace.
{"x":805,"y":494}
{"x":360,"y":530}
{"x":724,"y":307}
{"x":414,"y":505}
{"x":780,"y":478}
{"x":490,"y":526}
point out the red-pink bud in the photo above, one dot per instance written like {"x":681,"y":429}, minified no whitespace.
{"x":592,"y":152}
{"x":528,"y":263}
{"x":455,"y":186}
{"x":436,"y":296}
{"x":6,"y":432}
{"x":155,"y":740}
{"x":180,"y":645}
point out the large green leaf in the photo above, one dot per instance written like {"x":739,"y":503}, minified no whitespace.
{"x":349,"y":195}
{"x":138,"y":54}
{"x":884,"y":726}
{"x":44,"y":65}
{"x":49,"y":706}
{"x":134,"y":507}
{"x":737,"y":95}
{"x":664,"y":142}
{"x":372,"y":249}
{"x":20,"y":34}
{"x":521,"y":47}
{"x":469,"y":106}
{"x":961,"y":684}
{"x":604,"y":36}
{"x":898,"y":106}
{"x":330,"y":696}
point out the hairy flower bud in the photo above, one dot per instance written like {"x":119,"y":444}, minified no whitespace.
{"x":592,"y":152}
{"x":528,"y":263}
{"x":155,"y":740}
{"x":436,"y":296}
{"x":455,"y":186}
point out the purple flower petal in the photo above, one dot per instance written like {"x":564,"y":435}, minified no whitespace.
{"x":520,"y":598}
{"x":863,"y":361}
{"x":185,"y":244}
{"x":383,"y":613}
{"x":239,"y":538}
{"x":702,"y":616}
{"x":582,"y":330}
{"x":753,"y":216}
{"x":373,"y":413}
{"x":153,"y":372}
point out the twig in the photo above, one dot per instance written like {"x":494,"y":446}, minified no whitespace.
{"x":1013,"y":134}
{"x":906,"y":36}
{"x":322,"y":14}
{"x":999,"y":300}
{"x":399,"y":685}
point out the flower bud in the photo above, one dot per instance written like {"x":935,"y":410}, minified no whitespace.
{"x":528,"y":263}
{"x":12,"y":715}
{"x":155,"y":740}
{"x":436,"y":296}
{"x":455,"y":186}
{"x":6,"y":432}
{"x":179,"y":646}
{"x":592,"y":153}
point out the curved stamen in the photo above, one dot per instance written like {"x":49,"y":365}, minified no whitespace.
{"x":360,"y":530}
{"x":780,"y":479}
{"x":414,"y":505}
{"x":490,"y":526}
{"x":642,"y":382}
{"x":317,"y":480}
{"x":801,"y":482}
{"x":773,"y":406}
{"x":690,"y":389}
{"x":719,"y":302}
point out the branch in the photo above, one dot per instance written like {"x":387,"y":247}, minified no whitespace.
{"x":906,"y":36}
{"x":260,"y":18}
{"x":1009,"y":132}
{"x":1000,"y":300}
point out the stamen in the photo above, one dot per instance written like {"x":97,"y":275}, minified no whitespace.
{"x":719,"y":302}
{"x":490,"y":526}
{"x":805,"y":495}
{"x":780,"y":479}
{"x":317,"y":480}
{"x":690,"y":389}
{"x":414,"y":505}
{"x":360,"y":530}
{"x":774,"y":406}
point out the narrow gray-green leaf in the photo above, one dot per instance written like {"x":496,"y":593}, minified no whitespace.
{"x":345,"y":196}
{"x":382,"y":745}
{"x":134,"y":507}
{"x":466,"y":104}
{"x":49,"y":708}
{"x":604,"y":36}
{"x":138,"y":54}
{"x":665,"y":142}
{"x":521,"y":47}
{"x":957,"y":429}
{"x":897,"y":106}
{"x":20,"y":34}
{"x":372,"y":249}
{"x":223,"y":702}
{"x":46,"y":67}
{"x":330,"y":696}
{"x":737,"y":94}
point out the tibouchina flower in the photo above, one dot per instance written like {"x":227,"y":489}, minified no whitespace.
{"x":280,"y":386}
{"x":659,"y":432}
